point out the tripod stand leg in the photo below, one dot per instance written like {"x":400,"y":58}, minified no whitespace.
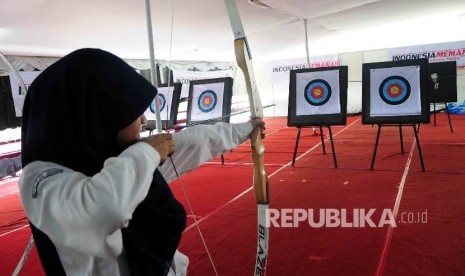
{"x":376,"y":147}
{"x":322,"y":140}
{"x":299,"y":129}
{"x":401,"y":139}
{"x":448,"y":117}
{"x":332,"y":146}
{"x":419,"y":148}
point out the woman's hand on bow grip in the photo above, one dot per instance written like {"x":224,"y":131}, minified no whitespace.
{"x":163,"y":143}
{"x":258,"y":122}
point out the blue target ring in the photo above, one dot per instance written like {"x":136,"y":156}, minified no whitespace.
{"x":394,"y":90}
{"x":161,"y":103}
{"x":317,"y":92}
{"x":207,"y":101}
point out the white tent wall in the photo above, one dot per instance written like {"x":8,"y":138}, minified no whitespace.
{"x":279,"y":93}
{"x":354,"y":88}
{"x":382,"y":55}
{"x":271,"y":93}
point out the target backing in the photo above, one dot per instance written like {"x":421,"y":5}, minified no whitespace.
{"x":443,"y":85}
{"x":395,"y":92}
{"x":168,"y":102}
{"x":209,"y":100}
{"x":318,"y":96}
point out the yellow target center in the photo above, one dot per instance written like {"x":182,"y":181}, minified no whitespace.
{"x":317,"y":92}
{"x":207,"y":101}
{"x":394,"y":90}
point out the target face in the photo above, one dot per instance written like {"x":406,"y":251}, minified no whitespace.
{"x":317,"y":92}
{"x":394,"y":90}
{"x":207,"y":101}
{"x":161,"y":103}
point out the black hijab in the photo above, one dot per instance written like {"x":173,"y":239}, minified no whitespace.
{"x":72,"y":113}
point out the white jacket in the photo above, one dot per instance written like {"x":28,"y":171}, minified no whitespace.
{"x":83,"y":215}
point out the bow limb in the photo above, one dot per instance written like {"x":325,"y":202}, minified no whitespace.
{"x":245,"y":63}
{"x":13,"y":69}
{"x":260,"y":180}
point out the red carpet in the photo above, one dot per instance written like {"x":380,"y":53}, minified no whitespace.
{"x":225,"y":209}
{"x":436,"y":247}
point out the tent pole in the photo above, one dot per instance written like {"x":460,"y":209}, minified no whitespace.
{"x":153,"y":68}
{"x":306,"y":41}
{"x":308,"y":56}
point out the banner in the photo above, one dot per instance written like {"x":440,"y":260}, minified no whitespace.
{"x":17,"y":90}
{"x":280,"y":69}
{"x":184,"y":77}
{"x":449,"y":51}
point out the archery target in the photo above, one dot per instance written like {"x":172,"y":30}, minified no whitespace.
{"x":165,"y":96}
{"x":395,"y":91}
{"x":161,"y":103}
{"x":317,"y":93}
{"x":207,"y":101}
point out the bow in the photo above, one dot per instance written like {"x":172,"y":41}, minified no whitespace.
{"x":14,"y":71}
{"x":260,"y":180}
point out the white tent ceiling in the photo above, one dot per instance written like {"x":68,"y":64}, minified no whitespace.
{"x":200,"y":29}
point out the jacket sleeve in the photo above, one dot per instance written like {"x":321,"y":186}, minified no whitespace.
{"x":198,"y":144}
{"x":87,"y":213}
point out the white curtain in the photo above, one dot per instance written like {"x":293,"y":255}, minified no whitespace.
{"x":40,"y":63}
{"x":25,"y":64}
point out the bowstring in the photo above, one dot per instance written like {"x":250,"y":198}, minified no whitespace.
{"x":171,"y":159}
{"x":194,"y":217}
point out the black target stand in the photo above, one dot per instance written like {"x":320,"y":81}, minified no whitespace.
{"x":448,"y":116}
{"x":415,"y":131}
{"x":299,"y":130}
